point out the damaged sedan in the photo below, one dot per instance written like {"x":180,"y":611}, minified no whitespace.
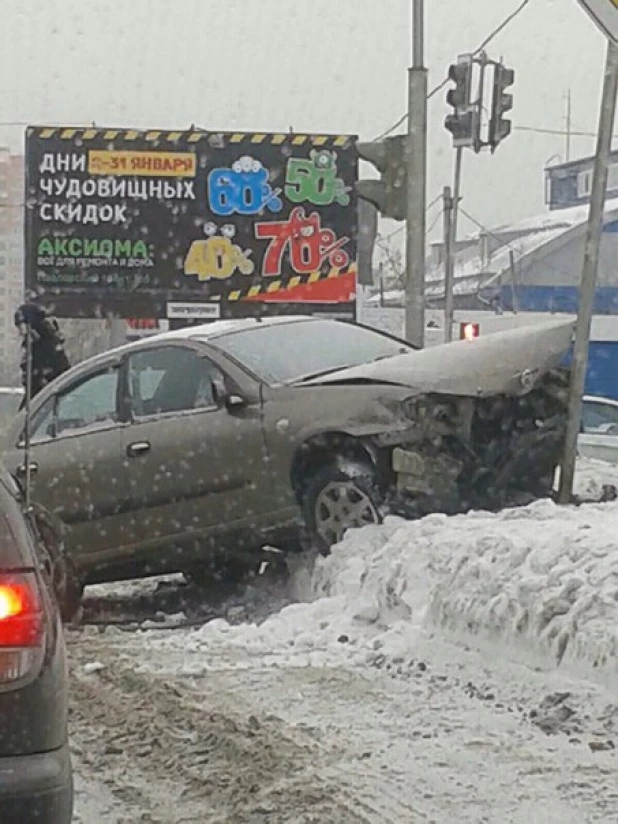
{"x":190,"y":450}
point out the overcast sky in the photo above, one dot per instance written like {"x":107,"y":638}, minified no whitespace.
{"x":316,"y":65}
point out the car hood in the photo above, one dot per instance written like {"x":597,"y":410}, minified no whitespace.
{"x":499,"y":363}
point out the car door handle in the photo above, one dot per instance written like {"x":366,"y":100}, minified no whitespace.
{"x":21,"y":469}
{"x":134,"y":450}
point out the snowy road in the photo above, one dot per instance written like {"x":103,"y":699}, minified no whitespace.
{"x":447,"y":736}
{"x":448,"y":670}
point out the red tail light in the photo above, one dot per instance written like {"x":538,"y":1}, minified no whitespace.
{"x":21,"y":627}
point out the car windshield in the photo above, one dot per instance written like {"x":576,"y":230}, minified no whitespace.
{"x":290,"y":352}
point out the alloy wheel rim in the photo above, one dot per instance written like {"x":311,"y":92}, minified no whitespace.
{"x":342,"y":505}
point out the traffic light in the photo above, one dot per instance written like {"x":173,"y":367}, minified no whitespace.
{"x":501,"y":103}
{"x":388,"y":195}
{"x":464,"y":122}
{"x":469,"y":331}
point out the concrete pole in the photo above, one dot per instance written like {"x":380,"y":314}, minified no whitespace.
{"x":589,"y":273}
{"x":449,"y":268}
{"x":447,"y":201}
{"x":417,"y":183}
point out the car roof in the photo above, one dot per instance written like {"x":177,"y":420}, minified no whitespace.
{"x":203,"y":332}
{"x":600,"y":399}
{"x":226,"y":327}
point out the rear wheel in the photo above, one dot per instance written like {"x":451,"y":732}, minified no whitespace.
{"x":69,"y":590}
{"x":336,"y":500}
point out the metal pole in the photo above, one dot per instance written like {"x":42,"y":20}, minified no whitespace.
{"x":449,"y":266}
{"x":27,"y":403}
{"x":568,"y":126}
{"x":447,"y":201}
{"x":417,"y":183}
{"x":514,"y":286}
{"x":589,"y":272}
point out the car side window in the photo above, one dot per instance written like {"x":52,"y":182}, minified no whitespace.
{"x":42,"y":425}
{"x":92,"y":403}
{"x":597,"y":417}
{"x":169,"y":380}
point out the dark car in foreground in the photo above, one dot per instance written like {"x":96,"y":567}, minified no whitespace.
{"x":191,"y":446}
{"x":35,"y":767}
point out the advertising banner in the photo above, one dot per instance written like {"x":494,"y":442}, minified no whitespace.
{"x":189,"y":224}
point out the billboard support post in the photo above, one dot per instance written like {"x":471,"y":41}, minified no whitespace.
{"x":589,"y":272}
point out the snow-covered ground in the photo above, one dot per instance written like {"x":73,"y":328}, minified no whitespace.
{"x":448,"y":669}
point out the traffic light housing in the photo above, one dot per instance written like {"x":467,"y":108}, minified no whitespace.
{"x":469,"y":331}
{"x":501,"y":103}
{"x":389,"y":194}
{"x":463,"y":123}
{"x":365,"y":244}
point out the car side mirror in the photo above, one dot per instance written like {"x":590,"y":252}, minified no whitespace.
{"x":234,"y":402}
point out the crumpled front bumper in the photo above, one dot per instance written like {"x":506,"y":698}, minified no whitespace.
{"x":505,"y":454}
{"x":432,"y":477}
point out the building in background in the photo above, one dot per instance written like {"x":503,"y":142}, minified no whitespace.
{"x":526,"y":272}
{"x":570,"y":184}
{"x":11,"y":260}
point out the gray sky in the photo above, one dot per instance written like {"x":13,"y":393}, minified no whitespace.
{"x":316,"y":65}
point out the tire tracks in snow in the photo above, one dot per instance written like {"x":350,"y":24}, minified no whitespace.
{"x":172,"y":756}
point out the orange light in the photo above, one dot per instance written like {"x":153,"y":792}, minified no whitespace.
{"x":11,"y":602}
{"x":468,"y":331}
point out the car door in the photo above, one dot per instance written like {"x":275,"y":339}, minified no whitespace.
{"x":77,"y":465}
{"x":195,"y":465}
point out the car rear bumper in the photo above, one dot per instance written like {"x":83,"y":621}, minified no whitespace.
{"x":37,"y":789}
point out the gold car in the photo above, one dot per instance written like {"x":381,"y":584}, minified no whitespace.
{"x":191,"y":447}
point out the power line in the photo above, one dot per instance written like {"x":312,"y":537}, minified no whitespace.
{"x":432,"y":226}
{"x":500,"y":28}
{"x":557,"y":132}
{"x":400,"y":229}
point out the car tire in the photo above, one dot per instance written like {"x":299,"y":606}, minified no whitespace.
{"x":65,"y":583}
{"x":337,"y":499}
{"x":69,"y":591}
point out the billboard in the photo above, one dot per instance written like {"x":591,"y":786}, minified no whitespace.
{"x":190,"y":224}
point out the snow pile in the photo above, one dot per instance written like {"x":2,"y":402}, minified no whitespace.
{"x":543,"y":576}
{"x":541,"y":579}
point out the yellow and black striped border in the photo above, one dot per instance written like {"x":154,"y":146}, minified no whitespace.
{"x":279,"y":285}
{"x":189,"y":136}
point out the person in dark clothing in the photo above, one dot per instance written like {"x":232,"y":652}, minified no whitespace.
{"x":48,"y":356}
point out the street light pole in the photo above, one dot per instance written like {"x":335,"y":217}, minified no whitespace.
{"x":589,"y":272}
{"x":416,"y":183}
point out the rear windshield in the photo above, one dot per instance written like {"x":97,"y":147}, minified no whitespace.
{"x":288,"y":352}
{"x":11,"y":553}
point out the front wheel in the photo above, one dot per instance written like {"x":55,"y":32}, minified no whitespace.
{"x":65,"y":583}
{"x":336,"y":500}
